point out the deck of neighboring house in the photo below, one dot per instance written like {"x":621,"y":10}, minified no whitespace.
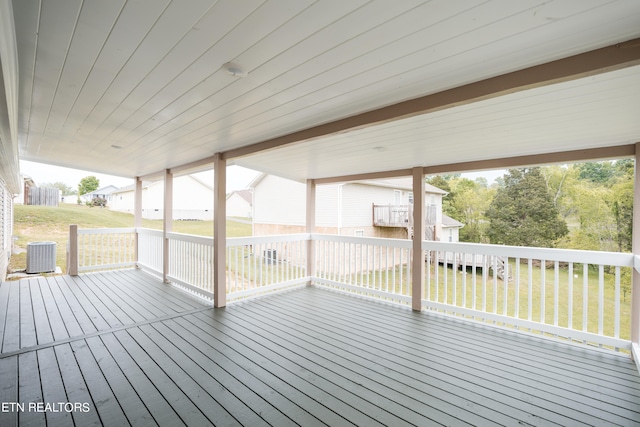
{"x":139,"y":352}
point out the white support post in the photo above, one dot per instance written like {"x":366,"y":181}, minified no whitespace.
{"x":219,"y":231}
{"x":137,"y":215}
{"x":167,"y":222}
{"x":417,"y":274}
{"x":72,"y":256}
{"x":635,"y":248}
{"x":311,"y":228}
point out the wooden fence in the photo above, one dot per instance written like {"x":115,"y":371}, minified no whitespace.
{"x":41,"y":196}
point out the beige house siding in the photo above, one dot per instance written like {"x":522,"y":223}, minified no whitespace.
{"x":345,"y":209}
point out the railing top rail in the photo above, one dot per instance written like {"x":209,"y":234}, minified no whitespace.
{"x":149,"y":231}
{"x":378,"y":241}
{"x":617,"y":259}
{"x":202,"y":240}
{"x":106,"y":230}
{"x":252,"y":240}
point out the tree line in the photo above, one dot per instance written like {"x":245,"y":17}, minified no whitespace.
{"x":579,"y":206}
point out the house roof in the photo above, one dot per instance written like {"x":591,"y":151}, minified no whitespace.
{"x":244,"y":194}
{"x":332,"y":89}
{"x":395,"y":183}
{"x":103,"y":190}
{"x":449,"y":222}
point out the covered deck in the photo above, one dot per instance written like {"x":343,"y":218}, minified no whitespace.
{"x":132,"y":350}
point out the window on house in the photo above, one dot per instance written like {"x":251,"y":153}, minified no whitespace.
{"x":359,"y":233}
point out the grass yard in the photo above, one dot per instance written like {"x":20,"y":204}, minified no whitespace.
{"x":51,"y":224}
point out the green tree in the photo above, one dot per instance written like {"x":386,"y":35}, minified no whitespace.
{"x":88,"y":184}
{"x":471,"y":201}
{"x":64,"y":188}
{"x":596,"y":172}
{"x":522,"y":212}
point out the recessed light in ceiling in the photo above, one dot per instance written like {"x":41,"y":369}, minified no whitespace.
{"x":234,"y":69}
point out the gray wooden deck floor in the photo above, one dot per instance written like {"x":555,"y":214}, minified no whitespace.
{"x":128,"y":350}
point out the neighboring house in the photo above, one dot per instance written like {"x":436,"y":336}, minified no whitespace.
{"x":240,"y":203}
{"x":100,"y":193}
{"x":192,"y":199}
{"x":381,"y":208}
{"x":31,"y":194}
{"x":27,"y":184}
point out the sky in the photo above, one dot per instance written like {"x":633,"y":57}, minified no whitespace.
{"x":238,"y":177}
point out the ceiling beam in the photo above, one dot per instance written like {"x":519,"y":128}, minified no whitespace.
{"x":573,"y":156}
{"x":594,"y":62}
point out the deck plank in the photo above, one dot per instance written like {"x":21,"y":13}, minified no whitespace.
{"x":171,"y":298}
{"x":69,"y":320}
{"x":9,"y":391}
{"x":53,"y":391}
{"x":102,"y":317}
{"x":5,"y":288}
{"x":112,"y":308}
{"x":240,"y":401}
{"x":58,"y":328}
{"x":265,"y":370}
{"x":140,"y":352}
{"x":132,"y":406}
{"x":560,"y":359}
{"x":213,"y":400}
{"x":28,"y":335}
{"x":397,"y":390}
{"x":188,"y":412}
{"x":228,"y":368}
{"x":105,"y":403}
{"x":301,"y":378}
{"x":11,"y":336}
{"x":44,"y":334}
{"x":127,"y":299}
{"x":85,"y":322}
{"x":162,"y":412}
{"x":494,"y":366}
{"x":76,"y":387}
{"x":29,"y":389}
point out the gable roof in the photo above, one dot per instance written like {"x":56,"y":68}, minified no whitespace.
{"x":449,"y":222}
{"x":244,"y":194}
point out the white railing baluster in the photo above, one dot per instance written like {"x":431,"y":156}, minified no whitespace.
{"x":600,"y":299}
{"x":556,"y":292}
{"x":570,"y":296}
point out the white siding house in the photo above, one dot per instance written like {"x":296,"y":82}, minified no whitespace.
{"x":100,"y":193}
{"x":240,"y":204}
{"x":192,"y":199}
{"x":346,"y":209}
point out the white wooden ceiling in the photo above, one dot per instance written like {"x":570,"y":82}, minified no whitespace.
{"x":134,"y":87}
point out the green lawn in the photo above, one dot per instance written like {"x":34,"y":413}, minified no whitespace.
{"x":44,"y":223}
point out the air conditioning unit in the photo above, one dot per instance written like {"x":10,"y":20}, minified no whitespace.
{"x":41,"y":257}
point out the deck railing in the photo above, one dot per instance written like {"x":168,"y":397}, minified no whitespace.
{"x":106,"y":248}
{"x":150,"y":250}
{"x":257,"y":265}
{"x":576,"y":295}
{"x":367,"y":266}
